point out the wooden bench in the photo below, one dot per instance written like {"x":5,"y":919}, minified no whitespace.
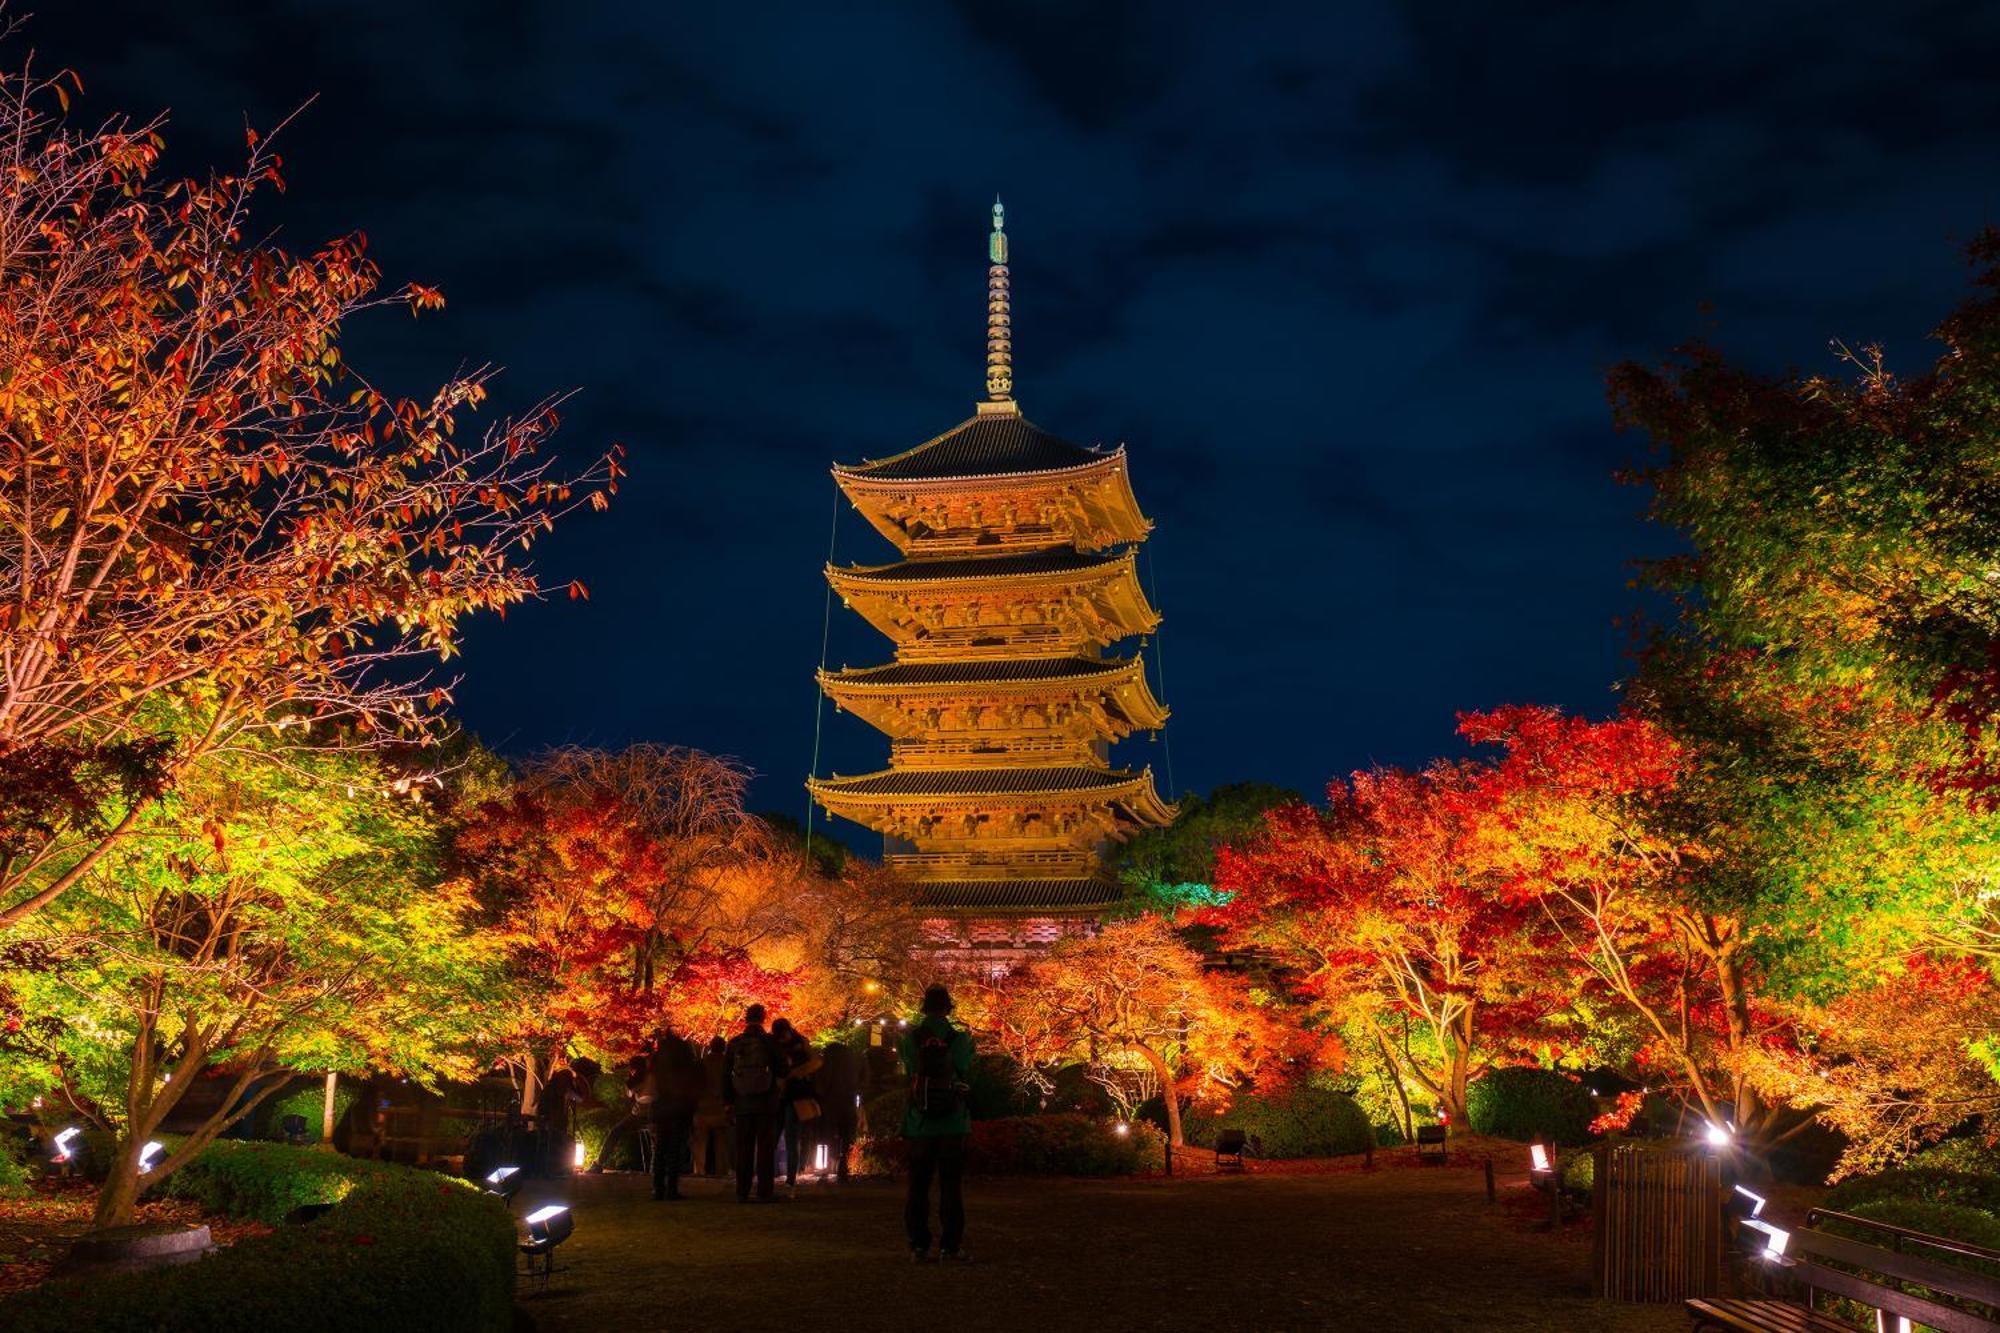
{"x":1229,"y":1150}
{"x":1429,"y":1137}
{"x":1877,"y":1275}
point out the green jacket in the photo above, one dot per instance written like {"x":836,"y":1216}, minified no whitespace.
{"x":917,"y":1125}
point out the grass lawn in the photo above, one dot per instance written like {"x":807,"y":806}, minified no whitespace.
{"x":1394,"y":1248}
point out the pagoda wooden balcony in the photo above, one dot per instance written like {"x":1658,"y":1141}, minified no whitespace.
{"x":981,"y":750}
{"x":1051,"y":864}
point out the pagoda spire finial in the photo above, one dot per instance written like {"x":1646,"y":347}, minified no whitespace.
{"x":999,"y":321}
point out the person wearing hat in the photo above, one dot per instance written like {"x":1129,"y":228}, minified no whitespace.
{"x":937,"y":1057}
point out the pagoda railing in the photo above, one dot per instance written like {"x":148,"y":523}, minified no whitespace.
{"x":973,"y":751}
{"x":1053,"y":864}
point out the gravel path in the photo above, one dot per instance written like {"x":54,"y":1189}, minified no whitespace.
{"x":1396,"y":1248}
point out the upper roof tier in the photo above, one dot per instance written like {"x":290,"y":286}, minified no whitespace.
{"x":988,"y":445}
{"x":995,"y":482}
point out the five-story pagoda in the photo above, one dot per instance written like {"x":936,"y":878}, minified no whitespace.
{"x":1019,"y":573}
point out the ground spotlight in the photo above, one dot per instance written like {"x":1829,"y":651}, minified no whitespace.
{"x":150,"y":1155}
{"x":578,"y":1155}
{"x":63,"y":1151}
{"x":1776,"y":1238}
{"x":504,"y":1181}
{"x":1719,"y":1136}
{"x":1538,"y":1160}
{"x":1750,"y":1199}
{"x":1121,"y":1128}
{"x":547,"y":1228}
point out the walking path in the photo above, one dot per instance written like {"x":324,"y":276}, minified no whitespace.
{"x":1393,"y":1249}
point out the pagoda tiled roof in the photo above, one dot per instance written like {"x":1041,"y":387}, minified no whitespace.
{"x":1014,"y":893}
{"x":1056,"y":560}
{"x":979,"y":781}
{"x":992,"y":671}
{"x":985,"y":446}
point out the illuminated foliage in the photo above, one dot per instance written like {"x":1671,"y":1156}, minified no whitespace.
{"x":278,"y":919}
{"x":202,"y":500}
{"x":1388,"y":920}
{"x":1136,"y":993}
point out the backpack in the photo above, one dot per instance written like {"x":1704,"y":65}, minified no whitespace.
{"x":750,"y":1072}
{"x":935,"y":1091}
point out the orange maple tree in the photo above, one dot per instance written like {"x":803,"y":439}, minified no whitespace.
{"x":201,"y":496}
{"x":1137,"y":990}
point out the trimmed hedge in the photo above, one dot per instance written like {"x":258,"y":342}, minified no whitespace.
{"x":1301,"y":1120}
{"x":1522,"y":1103}
{"x":404,"y":1249}
{"x":1953,"y":1221}
{"x":1065,"y":1144}
{"x":1918,"y":1185}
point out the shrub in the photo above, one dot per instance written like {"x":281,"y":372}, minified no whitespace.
{"x":997,"y":1089}
{"x":1952,"y":1221}
{"x":594,"y":1126}
{"x":1523,"y":1103}
{"x":404,"y":1249}
{"x":266,"y":1181}
{"x":882,"y":1117}
{"x":14,"y":1152}
{"x":1064,"y":1144}
{"x":1301,"y":1120}
{"x":1918,"y":1185}
{"x":307,"y":1100}
{"x":1972,"y":1155}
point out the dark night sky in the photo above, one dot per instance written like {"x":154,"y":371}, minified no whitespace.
{"x":1344,"y":278}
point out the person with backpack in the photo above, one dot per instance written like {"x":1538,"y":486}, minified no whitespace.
{"x":752,"y":1086}
{"x":937,"y":1057}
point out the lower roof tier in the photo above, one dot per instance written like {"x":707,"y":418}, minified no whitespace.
{"x":1015,"y":895}
{"x":1084,"y":696}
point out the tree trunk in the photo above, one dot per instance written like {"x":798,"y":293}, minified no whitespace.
{"x":1168,"y":1097}
{"x":531,"y":1084}
{"x":118,"y":1198}
{"x":326,"y":1111}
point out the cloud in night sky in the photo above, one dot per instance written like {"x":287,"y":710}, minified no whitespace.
{"x":1345,"y":279}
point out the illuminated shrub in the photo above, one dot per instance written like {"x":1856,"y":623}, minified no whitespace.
{"x":402,"y":1249}
{"x":1524,"y":1103}
{"x":1301,"y":1120}
{"x":1963,"y":1189}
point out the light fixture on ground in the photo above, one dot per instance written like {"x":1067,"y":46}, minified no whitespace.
{"x":1719,"y":1136}
{"x":1539,"y":1165}
{"x":504,"y":1181}
{"x":1742,"y":1198}
{"x":578,"y":1155}
{"x":548,"y":1227}
{"x":66,"y":1144}
{"x":822,"y":1159}
{"x":150,"y":1155}
{"x":1776,"y":1238}
{"x":1121,"y":1128}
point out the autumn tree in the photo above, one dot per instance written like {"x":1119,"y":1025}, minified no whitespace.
{"x":203,"y":500}
{"x":260,"y":922}
{"x":1165,"y":869}
{"x":1135,"y":991}
{"x":1386,"y":916}
{"x":1827,"y":666}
